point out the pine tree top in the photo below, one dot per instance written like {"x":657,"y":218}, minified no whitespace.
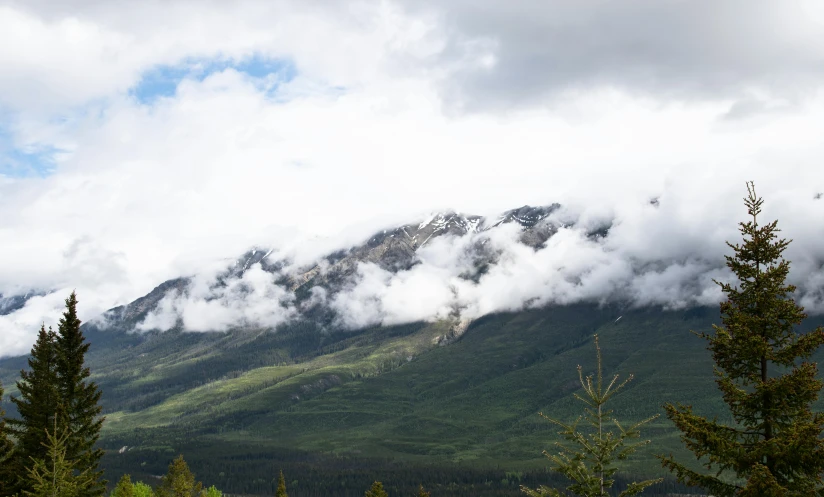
{"x":376,"y":490}
{"x":281,"y":490}
{"x":124,"y":487}
{"x":178,"y":481}
{"x":588,"y":458}
{"x":71,"y":347}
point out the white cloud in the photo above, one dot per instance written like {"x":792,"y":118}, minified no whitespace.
{"x":253,"y":299}
{"x":362,"y":138}
{"x":38,"y":311}
{"x":572,"y":267}
{"x":71,"y":53}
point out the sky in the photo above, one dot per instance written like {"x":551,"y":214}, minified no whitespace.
{"x":140,"y":141}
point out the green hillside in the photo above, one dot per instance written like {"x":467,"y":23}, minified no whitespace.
{"x":387,"y":400}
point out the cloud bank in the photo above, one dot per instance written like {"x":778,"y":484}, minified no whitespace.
{"x":308,"y":126}
{"x":465,"y":277}
{"x":762,"y":55}
{"x":253,"y":299}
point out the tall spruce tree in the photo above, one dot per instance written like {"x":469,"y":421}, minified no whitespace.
{"x":37,"y":405}
{"x":774,"y":448}
{"x":79,"y":397}
{"x":6,"y":448}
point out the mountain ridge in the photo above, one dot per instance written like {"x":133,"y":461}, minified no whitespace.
{"x":392,"y":250}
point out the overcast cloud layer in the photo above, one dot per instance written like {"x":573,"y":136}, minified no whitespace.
{"x":142,"y":141}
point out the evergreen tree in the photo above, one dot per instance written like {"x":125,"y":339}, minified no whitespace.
{"x":422,"y":492}
{"x":281,"y":491}
{"x":6,"y":448}
{"x":142,"y":490}
{"x":54,"y":475}
{"x":36,"y":405}
{"x":79,"y":397}
{"x":591,"y":466}
{"x":179,"y":481}
{"x":376,"y":490}
{"x":124,"y":487}
{"x":774,"y":448}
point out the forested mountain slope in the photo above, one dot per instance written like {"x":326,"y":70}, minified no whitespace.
{"x":399,"y":393}
{"x":451,"y":399}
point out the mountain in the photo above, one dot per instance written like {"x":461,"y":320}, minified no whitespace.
{"x":14,"y":302}
{"x":451,"y":403}
{"x":392,"y":250}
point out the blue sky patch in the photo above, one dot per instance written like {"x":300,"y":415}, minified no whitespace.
{"x":162,"y":81}
{"x":17,"y":163}
{"x":34,"y":161}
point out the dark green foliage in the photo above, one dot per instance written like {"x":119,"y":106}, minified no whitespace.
{"x":591,"y":463}
{"x":54,"y":475}
{"x":281,"y":491}
{"x":55,"y":390}
{"x":79,"y":398}
{"x":36,"y":406}
{"x":477,"y":396}
{"x":376,"y":490}
{"x":179,"y":481}
{"x":242,"y":469}
{"x":774,"y":447}
{"x":124,"y":488}
{"x":6,"y":448}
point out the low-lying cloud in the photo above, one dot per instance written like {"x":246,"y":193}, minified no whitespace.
{"x":664,"y":253}
{"x":571,"y":268}
{"x":493,"y":271}
{"x":252,"y":299}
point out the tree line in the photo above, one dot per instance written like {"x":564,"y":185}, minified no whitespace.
{"x":773,"y":448}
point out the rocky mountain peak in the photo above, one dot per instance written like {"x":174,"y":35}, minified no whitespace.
{"x":527,"y":216}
